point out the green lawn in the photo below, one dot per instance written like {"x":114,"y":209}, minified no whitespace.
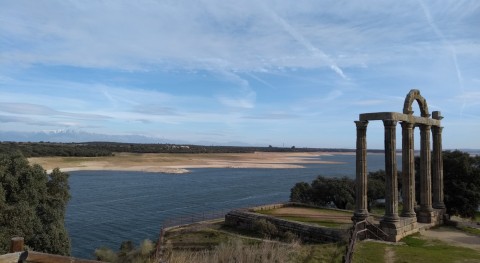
{"x":317,"y":221}
{"x":414,"y":250}
{"x":306,"y":218}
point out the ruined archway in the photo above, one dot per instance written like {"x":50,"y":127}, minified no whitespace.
{"x":431,"y":169}
{"x":414,"y":95}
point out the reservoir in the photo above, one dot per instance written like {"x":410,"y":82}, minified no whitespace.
{"x":108,"y":207}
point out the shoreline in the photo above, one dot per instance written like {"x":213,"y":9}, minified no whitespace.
{"x":181,"y":163}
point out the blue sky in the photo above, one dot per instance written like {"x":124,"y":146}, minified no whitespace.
{"x":228,"y":72}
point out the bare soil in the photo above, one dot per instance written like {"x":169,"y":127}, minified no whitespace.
{"x":179,"y":163}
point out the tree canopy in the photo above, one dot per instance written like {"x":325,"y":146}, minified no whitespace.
{"x":324,"y":191}
{"x":461,"y":174}
{"x":32,"y":205}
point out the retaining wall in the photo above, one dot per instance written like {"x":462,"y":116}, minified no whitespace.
{"x":245,"y":219}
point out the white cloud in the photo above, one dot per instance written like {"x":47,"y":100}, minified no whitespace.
{"x":245,"y":36}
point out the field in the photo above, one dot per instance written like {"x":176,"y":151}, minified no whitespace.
{"x":178,"y":162}
{"x":318,"y":216}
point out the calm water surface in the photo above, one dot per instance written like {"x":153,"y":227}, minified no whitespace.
{"x":108,"y":207}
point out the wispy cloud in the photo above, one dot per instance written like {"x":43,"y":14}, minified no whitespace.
{"x":272,"y":116}
{"x":452,"y":48}
{"x":307,"y":44}
{"x":369,"y":102}
{"x":178,"y":66}
{"x":154,"y":109}
{"x":40,"y":110}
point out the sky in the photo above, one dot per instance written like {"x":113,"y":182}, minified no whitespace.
{"x":280,"y":73}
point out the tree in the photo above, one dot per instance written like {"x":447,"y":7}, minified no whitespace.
{"x":375,"y":187}
{"x":32,"y":205}
{"x":461,"y":183}
{"x":337,"y":191}
{"x":301,"y":193}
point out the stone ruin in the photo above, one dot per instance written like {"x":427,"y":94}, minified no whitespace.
{"x":432,"y":208}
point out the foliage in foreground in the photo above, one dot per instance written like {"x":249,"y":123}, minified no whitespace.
{"x":128,"y":253}
{"x":32,"y":205}
{"x":236,"y":251}
{"x":265,"y":252}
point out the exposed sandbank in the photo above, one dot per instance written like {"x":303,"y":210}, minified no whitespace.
{"x":180,"y":163}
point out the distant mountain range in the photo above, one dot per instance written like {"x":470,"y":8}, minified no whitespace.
{"x":76,"y":136}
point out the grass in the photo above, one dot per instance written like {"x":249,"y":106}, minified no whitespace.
{"x":317,"y":221}
{"x":311,"y":216}
{"x":415,"y":250}
{"x":470,"y":230}
{"x":219,"y":243}
{"x":366,"y":252}
{"x":235,"y":250}
{"x":206,"y":237}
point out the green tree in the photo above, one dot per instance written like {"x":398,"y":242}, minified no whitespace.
{"x":461,"y":183}
{"x":301,"y":193}
{"x":337,"y":191}
{"x":32,"y":205}
{"x":375,"y":187}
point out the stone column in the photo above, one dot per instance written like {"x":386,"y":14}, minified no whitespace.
{"x":437,"y":168}
{"x":361,"y":211}
{"x":408,"y":170}
{"x":425,"y":170}
{"x":391,"y":188}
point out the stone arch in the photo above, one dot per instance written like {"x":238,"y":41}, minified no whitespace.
{"x":414,"y":94}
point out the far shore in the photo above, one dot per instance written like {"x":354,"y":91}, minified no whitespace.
{"x":180,"y":163}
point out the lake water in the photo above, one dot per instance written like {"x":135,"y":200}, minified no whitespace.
{"x":108,"y":207}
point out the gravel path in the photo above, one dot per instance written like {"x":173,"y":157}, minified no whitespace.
{"x":454,"y":237}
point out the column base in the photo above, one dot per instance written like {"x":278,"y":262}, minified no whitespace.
{"x":439,"y":206}
{"x":426,"y":217}
{"x":390,"y":218}
{"x":398,"y":230}
{"x":409,"y":214}
{"x":357,"y":217}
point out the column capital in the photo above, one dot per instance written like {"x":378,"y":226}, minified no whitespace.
{"x":437,"y":129}
{"x":389,"y":123}
{"x":361,"y":124}
{"x":407,"y":125}
{"x":425,"y":127}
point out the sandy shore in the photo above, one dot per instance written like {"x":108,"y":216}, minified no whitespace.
{"x":180,"y":163}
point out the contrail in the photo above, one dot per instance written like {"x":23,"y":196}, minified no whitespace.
{"x":307,"y":44}
{"x":453,"y":51}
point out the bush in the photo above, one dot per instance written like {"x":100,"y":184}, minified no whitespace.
{"x":289,"y":237}
{"x":265,"y":228}
{"x":128,"y":253}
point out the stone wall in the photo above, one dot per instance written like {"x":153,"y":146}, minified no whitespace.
{"x":308,"y":233}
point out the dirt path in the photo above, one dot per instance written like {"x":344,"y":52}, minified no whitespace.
{"x":454,"y":237}
{"x":389,"y":256}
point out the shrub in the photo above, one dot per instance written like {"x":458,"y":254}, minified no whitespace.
{"x":265,"y":228}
